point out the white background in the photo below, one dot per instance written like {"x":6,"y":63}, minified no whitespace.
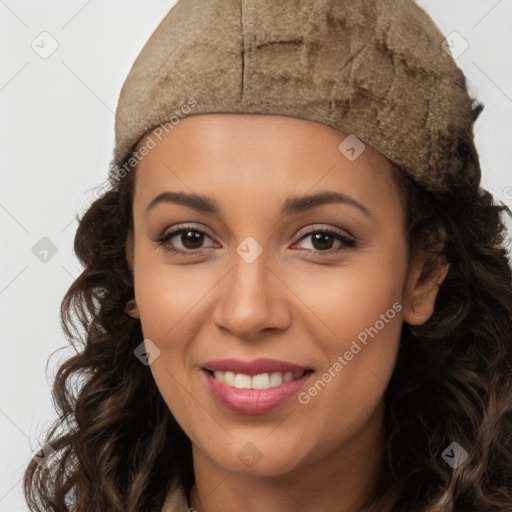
{"x":57,"y":137}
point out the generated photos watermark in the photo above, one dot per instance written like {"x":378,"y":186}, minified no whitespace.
{"x":120,"y":172}
{"x":146,"y":352}
{"x":304,"y":397}
{"x":454,"y":455}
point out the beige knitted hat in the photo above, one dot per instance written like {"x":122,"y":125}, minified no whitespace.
{"x":374,"y":68}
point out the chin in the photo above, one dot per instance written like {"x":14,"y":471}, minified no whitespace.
{"x":248,"y":459}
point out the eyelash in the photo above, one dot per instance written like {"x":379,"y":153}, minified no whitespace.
{"x":345,"y":240}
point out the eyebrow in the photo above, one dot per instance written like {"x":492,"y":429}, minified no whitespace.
{"x":292,"y":205}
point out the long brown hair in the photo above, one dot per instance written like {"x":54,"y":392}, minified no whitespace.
{"x":117,"y":447}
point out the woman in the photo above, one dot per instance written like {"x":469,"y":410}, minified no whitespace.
{"x":295,"y":293}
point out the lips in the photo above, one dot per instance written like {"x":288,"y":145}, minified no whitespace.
{"x":241,"y":386}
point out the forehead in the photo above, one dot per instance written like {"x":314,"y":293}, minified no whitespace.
{"x":261,"y":157}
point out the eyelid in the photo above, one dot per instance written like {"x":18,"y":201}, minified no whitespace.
{"x":316,"y":228}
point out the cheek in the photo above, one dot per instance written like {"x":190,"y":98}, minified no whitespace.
{"x":357,"y":325}
{"x":348,"y":299}
{"x":166,"y":295}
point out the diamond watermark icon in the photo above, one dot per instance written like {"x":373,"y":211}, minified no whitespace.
{"x":454,"y":455}
{"x":41,"y":456}
{"x":249,"y":454}
{"x":249,"y":249}
{"x":352,"y":147}
{"x":45,"y":45}
{"x":44,"y":250}
{"x":146,"y":352}
{"x":455,"y":45}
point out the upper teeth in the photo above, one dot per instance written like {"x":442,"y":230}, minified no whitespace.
{"x":262,"y":381}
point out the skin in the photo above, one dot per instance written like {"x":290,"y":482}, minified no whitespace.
{"x":287,"y":304}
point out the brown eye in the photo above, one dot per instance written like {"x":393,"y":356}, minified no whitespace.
{"x":323,"y":241}
{"x":191,"y":239}
{"x":184,"y":240}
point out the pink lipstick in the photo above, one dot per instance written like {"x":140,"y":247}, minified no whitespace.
{"x":254,"y":387}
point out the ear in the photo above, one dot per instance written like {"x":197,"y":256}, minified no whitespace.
{"x":132,"y":309}
{"x":131,"y":306}
{"x":422,"y":286}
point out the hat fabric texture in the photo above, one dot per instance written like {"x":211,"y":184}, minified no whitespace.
{"x":373,"y":68}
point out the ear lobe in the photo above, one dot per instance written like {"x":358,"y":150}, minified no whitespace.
{"x":422,"y":287}
{"x":132,"y":309}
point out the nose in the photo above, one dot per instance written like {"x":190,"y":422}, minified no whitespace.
{"x":252,"y":299}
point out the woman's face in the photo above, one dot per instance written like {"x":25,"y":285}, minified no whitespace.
{"x":265,"y":273}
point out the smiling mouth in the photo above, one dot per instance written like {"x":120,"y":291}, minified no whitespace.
{"x":261,"y":381}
